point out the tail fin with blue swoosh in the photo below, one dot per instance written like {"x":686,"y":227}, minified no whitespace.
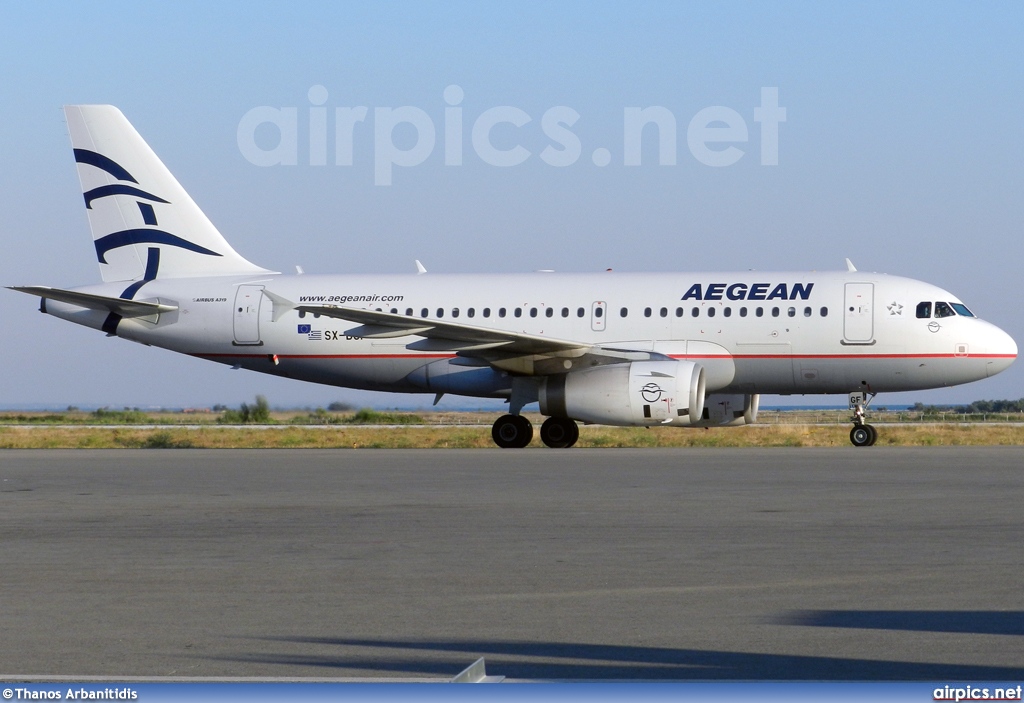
{"x":144,"y":224}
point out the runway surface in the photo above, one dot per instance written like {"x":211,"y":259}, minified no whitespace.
{"x":746,"y":564}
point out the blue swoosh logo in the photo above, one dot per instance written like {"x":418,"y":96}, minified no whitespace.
{"x":143,"y":236}
{"x":84,"y":156}
{"x":119,"y":189}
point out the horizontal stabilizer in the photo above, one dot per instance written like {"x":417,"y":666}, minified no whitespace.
{"x":124,"y":308}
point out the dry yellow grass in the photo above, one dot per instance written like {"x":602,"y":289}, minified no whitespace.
{"x":285,"y":437}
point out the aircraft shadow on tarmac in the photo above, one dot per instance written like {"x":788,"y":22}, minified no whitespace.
{"x":560,"y":661}
{"x":977,"y":622}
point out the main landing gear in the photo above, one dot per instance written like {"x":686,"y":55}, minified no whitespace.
{"x":512,"y":432}
{"x":862,"y":434}
{"x":559,"y":432}
{"x":515,"y":432}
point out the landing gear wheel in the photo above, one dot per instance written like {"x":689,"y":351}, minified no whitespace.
{"x":874,"y":435}
{"x":559,"y":432}
{"x":512,"y":432}
{"x":863,"y":435}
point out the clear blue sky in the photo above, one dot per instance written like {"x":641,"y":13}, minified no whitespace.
{"x":902,"y":149}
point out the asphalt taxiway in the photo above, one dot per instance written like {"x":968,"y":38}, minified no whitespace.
{"x":743,"y":564}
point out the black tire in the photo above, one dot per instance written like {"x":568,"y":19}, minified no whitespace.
{"x":512,"y":432}
{"x":861,"y":435}
{"x":874,"y":435}
{"x":559,"y":432}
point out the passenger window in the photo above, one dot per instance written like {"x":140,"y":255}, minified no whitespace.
{"x":549,"y":312}
{"x":471,"y":312}
{"x":623,"y":312}
{"x":394,"y":311}
{"x":924,"y":310}
{"x":792,"y":312}
{"x":664,"y":312}
{"x":711,"y":312}
{"x":424,"y":313}
{"x":807,"y":312}
{"x":943,"y":310}
{"x":580,"y":312}
{"x":598,"y":312}
{"x":565,"y":312}
{"x":824,"y":312}
{"x":679,"y":312}
{"x":518,"y":312}
{"x":727,"y":312}
{"x":455,"y":312}
{"x":743,"y":312}
{"x":695,"y":312}
{"x":487,"y":312}
{"x":647,"y":312}
{"x":759,"y":312}
{"x":408,"y":312}
{"x":440,"y":312}
{"x":501,"y":312}
{"x":775,"y":312}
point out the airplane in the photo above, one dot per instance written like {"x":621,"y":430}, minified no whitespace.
{"x":628,"y":349}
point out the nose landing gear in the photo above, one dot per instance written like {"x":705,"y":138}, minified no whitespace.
{"x":862,"y":434}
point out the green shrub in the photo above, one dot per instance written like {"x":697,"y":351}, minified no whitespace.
{"x":256,"y":414}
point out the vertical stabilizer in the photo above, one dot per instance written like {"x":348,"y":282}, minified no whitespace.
{"x":144,"y":224}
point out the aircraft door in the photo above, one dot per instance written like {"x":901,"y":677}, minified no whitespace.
{"x":247,"y":315}
{"x":858,"y":315}
{"x":598,"y":312}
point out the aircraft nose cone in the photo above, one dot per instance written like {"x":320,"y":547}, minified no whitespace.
{"x":1002,"y":351}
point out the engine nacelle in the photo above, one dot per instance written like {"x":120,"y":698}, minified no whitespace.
{"x":634,"y":393}
{"x":730,"y":410}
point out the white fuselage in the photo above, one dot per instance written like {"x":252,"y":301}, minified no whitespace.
{"x":753,"y":332}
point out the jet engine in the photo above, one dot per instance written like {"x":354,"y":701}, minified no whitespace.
{"x":634,"y":393}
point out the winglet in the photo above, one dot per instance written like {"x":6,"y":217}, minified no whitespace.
{"x":850,"y":266}
{"x":420,"y":268}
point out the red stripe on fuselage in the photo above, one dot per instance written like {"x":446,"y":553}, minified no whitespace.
{"x":673,"y":356}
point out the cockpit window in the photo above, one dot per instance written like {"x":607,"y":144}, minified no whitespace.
{"x":943,"y":310}
{"x":962,"y":309}
{"x":924,"y":310}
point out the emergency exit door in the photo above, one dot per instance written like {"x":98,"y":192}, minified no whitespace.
{"x":597,"y":315}
{"x":858,"y":318}
{"x":247,"y":314}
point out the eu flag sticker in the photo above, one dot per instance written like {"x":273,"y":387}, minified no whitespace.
{"x":305,"y":329}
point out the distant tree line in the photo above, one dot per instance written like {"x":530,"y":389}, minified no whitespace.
{"x":978,"y":406}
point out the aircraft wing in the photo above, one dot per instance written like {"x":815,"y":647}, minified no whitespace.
{"x":512,"y":351}
{"x":442,"y":335}
{"x":123,"y":307}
